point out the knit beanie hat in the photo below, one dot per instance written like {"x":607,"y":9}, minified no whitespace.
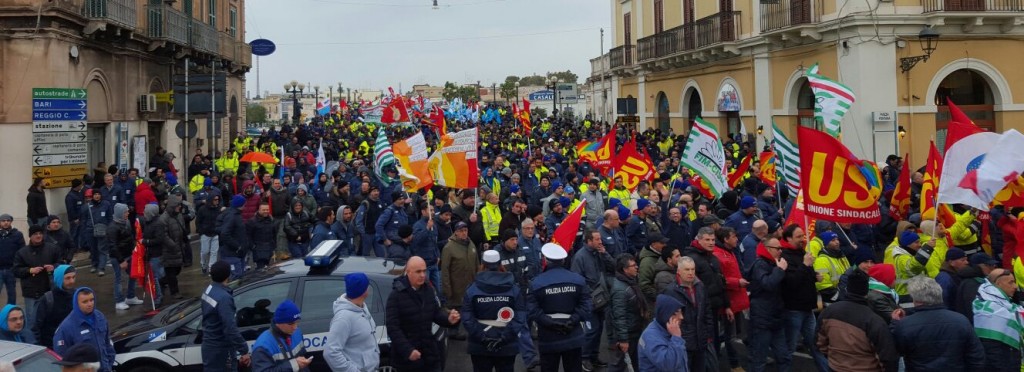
{"x":885,"y":273}
{"x":287,"y":312}
{"x":355,"y":285}
{"x":857,"y":283}
{"x":908,"y":237}
{"x":237,"y":201}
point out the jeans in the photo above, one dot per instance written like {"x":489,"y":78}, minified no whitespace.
{"x":761,"y":340}
{"x":592,"y":335}
{"x":482,"y":363}
{"x":237,"y":266}
{"x":526,"y":347}
{"x":30,"y":312}
{"x":10,"y":282}
{"x":218,"y":358}
{"x":370,"y":243}
{"x":132,"y":283}
{"x":434,"y":276}
{"x":297,"y":249}
{"x":366,"y":244}
{"x":801,"y":324}
{"x":158,"y":275}
{"x":726,"y":332}
{"x":571,"y":361}
{"x":208,"y":247}
{"x":118,"y":296}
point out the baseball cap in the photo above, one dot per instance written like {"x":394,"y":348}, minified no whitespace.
{"x":656,"y":237}
{"x":983,"y":258}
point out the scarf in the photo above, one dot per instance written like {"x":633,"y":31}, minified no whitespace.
{"x":880,"y":287}
{"x":996,"y":317}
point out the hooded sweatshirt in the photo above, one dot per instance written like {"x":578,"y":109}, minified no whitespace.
{"x":23,"y":336}
{"x":351,"y":345}
{"x":52,"y":308}
{"x":120,"y":234}
{"x":80,"y":328}
{"x":658,"y":349}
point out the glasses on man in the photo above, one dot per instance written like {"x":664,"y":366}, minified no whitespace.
{"x":773,"y":247}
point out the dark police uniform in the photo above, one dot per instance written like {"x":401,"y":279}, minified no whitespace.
{"x":222,"y":342}
{"x":558,"y":300}
{"x":493,"y":312}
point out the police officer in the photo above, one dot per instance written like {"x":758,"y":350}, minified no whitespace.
{"x":493,"y":312}
{"x":280,"y":348}
{"x":223,"y":346}
{"x":558,"y":300}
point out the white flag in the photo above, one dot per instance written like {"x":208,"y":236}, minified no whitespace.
{"x":706,"y":157}
{"x":1002,"y":166}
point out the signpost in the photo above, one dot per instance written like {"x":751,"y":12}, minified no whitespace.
{"x":59,"y":141}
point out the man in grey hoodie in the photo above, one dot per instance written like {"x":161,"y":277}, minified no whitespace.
{"x":352,"y":339}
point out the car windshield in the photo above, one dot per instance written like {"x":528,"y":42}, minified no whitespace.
{"x":182,"y":309}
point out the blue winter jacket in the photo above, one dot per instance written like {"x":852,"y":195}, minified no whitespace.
{"x":321,"y":232}
{"x":23,"y":336}
{"x":268,"y":356}
{"x":10,"y":242}
{"x":388,"y":223}
{"x":219,"y":326}
{"x":424,"y":242}
{"x":80,"y":328}
{"x":486,"y":299}
{"x":741,"y":222}
{"x":932,"y":338}
{"x":658,"y":350}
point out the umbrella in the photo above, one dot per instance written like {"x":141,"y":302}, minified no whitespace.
{"x":258,"y":157}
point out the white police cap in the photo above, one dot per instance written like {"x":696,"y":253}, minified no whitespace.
{"x":491,"y":257}
{"x":554,"y":251}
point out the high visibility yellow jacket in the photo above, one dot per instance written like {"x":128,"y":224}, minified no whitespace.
{"x":830,"y":268}
{"x":907,"y":266}
{"x":196,"y":183}
{"x":491,"y":217}
{"x":227,"y":163}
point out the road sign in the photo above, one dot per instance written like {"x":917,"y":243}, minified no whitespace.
{"x":58,"y":137}
{"x":629,"y":119}
{"x":165,"y":97}
{"x":60,"y":148}
{"x":59,"y":104}
{"x":58,"y":182}
{"x":59,"y":140}
{"x":59,"y":159}
{"x":262,"y":47}
{"x":42,"y":93}
{"x":60,"y":171}
{"x":59,"y":126}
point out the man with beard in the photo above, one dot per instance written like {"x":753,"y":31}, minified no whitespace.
{"x":54,"y":305}
{"x":344,"y":230}
{"x":799,"y":295}
{"x":514,"y":217}
{"x":33,"y":264}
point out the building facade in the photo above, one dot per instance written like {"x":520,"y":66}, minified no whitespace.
{"x":742,"y":62}
{"x":117,"y":53}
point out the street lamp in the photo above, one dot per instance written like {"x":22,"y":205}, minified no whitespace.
{"x":316,"y":101}
{"x":295,"y":88}
{"x":929,"y":39}
{"x":552,"y":83}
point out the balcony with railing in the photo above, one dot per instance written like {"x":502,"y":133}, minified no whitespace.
{"x":972,"y":5}
{"x":203,"y":37}
{"x":165,"y":23}
{"x":244,"y":52}
{"x":705,"y":32}
{"x":117,"y":12}
{"x":599,"y":65}
{"x":783,"y":14}
{"x":621,"y":56}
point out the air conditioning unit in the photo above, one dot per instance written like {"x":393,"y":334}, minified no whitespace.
{"x":147,"y":103}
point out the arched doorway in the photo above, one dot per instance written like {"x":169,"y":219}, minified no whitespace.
{"x":664,"y":123}
{"x":805,"y":105}
{"x":694,"y":107}
{"x":969,"y":90}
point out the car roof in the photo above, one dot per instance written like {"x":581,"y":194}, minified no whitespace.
{"x":11,"y":351}
{"x":371,"y":266}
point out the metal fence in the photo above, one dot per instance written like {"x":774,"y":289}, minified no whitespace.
{"x":119,"y":12}
{"x":972,"y":5}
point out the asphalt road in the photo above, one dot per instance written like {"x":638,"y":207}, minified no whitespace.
{"x":192,"y":282}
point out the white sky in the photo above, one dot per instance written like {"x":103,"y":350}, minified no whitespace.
{"x":373,"y":44}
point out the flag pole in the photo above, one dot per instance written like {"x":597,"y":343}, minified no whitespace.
{"x":668,"y":201}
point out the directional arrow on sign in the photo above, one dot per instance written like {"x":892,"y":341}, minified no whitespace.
{"x":81,"y":105}
{"x":81,"y":116}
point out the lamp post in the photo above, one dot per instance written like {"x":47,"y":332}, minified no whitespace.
{"x":929,"y":39}
{"x":295,"y":88}
{"x":552,"y":83}
{"x":316,"y":100}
